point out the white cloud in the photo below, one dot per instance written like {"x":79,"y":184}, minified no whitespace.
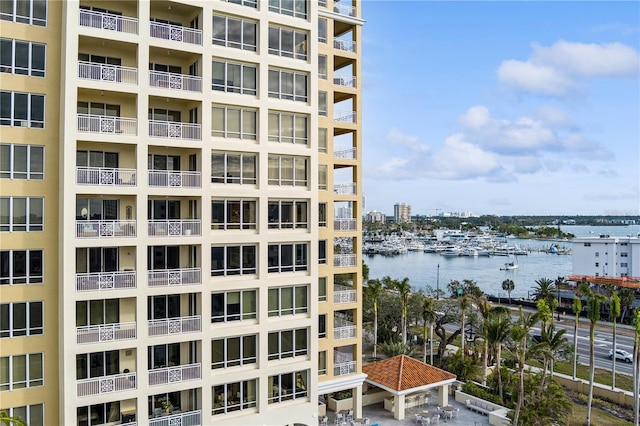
{"x":460,"y":159}
{"x":475,"y":117}
{"x":555,"y":117}
{"x":534,"y":78}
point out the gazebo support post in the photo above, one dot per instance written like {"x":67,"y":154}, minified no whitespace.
{"x":398,"y":407}
{"x":443,"y":396}
{"x":357,"y":401}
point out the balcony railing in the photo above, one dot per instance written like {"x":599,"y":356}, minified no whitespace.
{"x":344,"y":189}
{"x":105,"y":176}
{"x":345,"y":116}
{"x":174,"y":130}
{"x":175,"y":374}
{"x":174,"y":277}
{"x":190,"y":418}
{"x":346,"y":332}
{"x":105,"y":228}
{"x":98,"y":281}
{"x":174,"y":179}
{"x":106,"y":72}
{"x":348,"y":154}
{"x":344,"y":368}
{"x":178,"y":227}
{"x":175,"y":33}
{"x":89,"y":123}
{"x":345,"y":296}
{"x":345,"y":224}
{"x":175,"y":81}
{"x":106,"y":332}
{"x":344,"y":9}
{"x":345,"y":80}
{"x":344,"y":260}
{"x":345,"y":45}
{"x":106,"y":384}
{"x":107,"y":21}
{"x":167,"y":326}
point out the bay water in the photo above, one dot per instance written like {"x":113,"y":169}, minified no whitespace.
{"x":431,"y":269}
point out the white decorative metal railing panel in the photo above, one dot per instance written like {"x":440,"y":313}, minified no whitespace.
{"x":174,"y":130}
{"x":344,"y":368}
{"x":344,"y":260}
{"x":108,"y":21}
{"x":175,"y":374}
{"x":167,"y":326}
{"x":105,"y":176}
{"x":169,"y":80}
{"x":105,"y":228}
{"x":106,"y":384}
{"x":174,"y":277}
{"x":344,"y":189}
{"x":190,"y":418}
{"x":345,"y":80}
{"x":104,"y":124}
{"x":106,"y":72}
{"x":345,"y":45}
{"x":344,"y":9}
{"x":347,"y":154}
{"x":345,"y":116}
{"x":106,"y":332}
{"x":175,"y":33}
{"x":178,"y":227}
{"x":345,"y":296}
{"x":101,"y":281}
{"x":341,"y":333}
{"x":344,"y":224}
{"x":174,"y":179}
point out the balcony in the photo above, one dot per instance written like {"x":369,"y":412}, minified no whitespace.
{"x":344,"y":189}
{"x":168,"y":80}
{"x":171,"y":228}
{"x":346,"y":154}
{"x":107,"y":72}
{"x":344,"y":368}
{"x":105,"y":176}
{"x":174,"y":179}
{"x":105,"y":228}
{"x":345,"y":45}
{"x":175,"y":33}
{"x":344,"y":295}
{"x":190,"y":418}
{"x":99,"y":281}
{"x":344,"y":332}
{"x":105,"y":333}
{"x":102,"y":124}
{"x":174,"y":277}
{"x":106,"y":384}
{"x":344,"y":260}
{"x":344,"y":9}
{"x":179,"y":325}
{"x":175,"y":374}
{"x":345,"y":116}
{"x":344,"y":224}
{"x":345,"y":81}
{"x":174,"y":130}
{"x":107,"y":21}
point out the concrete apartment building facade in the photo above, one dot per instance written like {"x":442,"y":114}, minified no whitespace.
{"x":606,"y":256}
{"x":402,"y":212}
{"x":127,"y":126}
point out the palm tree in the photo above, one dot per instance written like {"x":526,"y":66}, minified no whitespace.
{"x":520,"y":335}
{"x":551,"y":343}
{"x":594,"y":301}
{"x":404,"y":290}
{"x":636,"y":365}
{"x":7,"y":420}
{"x":428,"y":317}
{"x":627,"y":297}
{"x":577,"y":308}
{"x":508,"y":285}
{"x":544,"y":290}
{"x":486,"y":312}
{"x":614,"y":311}
{"x":374,"y":291}
{"x":391,"y":349}
{"x":497,"y":332}
{"x":465,"y":302}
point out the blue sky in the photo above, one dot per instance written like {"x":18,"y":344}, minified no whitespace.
{"x":499,"y":107}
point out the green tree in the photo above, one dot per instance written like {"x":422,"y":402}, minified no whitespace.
{"x":465,"y":303}
{"x":594,"y":301}
{"x":498,"y":328}
{"x":552,"y":343}
{"x":404,"y":289}
{"x":627,"y":297}
{"x":391,"y":349}
{"x":614,"y":312}
{"x":487,"y":310}
{"x":428,"y":317}
{"x":465,"y":368}
{"x":577,"y":308}
{"x":7,"y":420}
{"x":508,"y":285}
{"x":544,"y":290}
{"x":636,"y":365}
{"x":448,"y":313}
{"x":373,"y":291}
{"x":520,"y":336}
{"x":365,"y":272}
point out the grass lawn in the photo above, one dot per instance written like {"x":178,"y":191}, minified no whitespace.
{"x":601,"y":376}
{"x":598,"y":416}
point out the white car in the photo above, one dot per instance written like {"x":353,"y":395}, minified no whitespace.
{"x":621,"y":355}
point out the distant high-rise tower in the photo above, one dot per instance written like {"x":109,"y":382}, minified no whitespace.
{"x":402,"y":212}
{"x":126,"y":127}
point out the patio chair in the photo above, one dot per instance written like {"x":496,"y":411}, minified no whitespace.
{"x":436,"y":418}
{"x":425,"y":421}
{"x":456,"y":412}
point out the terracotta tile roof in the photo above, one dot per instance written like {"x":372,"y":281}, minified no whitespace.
{"x":403,"y":372}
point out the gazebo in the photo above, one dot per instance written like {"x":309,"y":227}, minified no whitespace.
{"x":403,"y":375}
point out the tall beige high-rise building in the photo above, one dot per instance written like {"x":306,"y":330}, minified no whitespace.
{"x":180,"y":194}
{"x":402,"y":212}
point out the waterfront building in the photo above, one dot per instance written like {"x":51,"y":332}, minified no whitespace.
{"x":606,"y":256}
{"x":375,"y":216}
{"x":402,"y":212}
{"x":126,"y":126}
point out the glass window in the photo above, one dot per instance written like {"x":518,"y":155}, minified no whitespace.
{"x":234,"y":122}
{"x":21,"y":162}
{"x":232,"y":32}
{"x":31,"y":12}
{"x":21,"y":109}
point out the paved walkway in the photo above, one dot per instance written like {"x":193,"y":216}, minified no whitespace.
{"x":378,"y":415}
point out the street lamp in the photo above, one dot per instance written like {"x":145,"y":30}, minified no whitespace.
{"x":438,"y":283}
{"x":470,"y":334}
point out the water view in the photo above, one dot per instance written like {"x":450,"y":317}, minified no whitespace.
{"x":423,"y":271}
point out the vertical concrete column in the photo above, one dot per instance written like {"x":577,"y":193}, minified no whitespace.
{"x":443,"y":396}
{"x":357,"y":401}
{"x":398,"y":407}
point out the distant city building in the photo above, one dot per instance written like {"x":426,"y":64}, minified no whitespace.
{"x":375,"y":216}
{"x":402,"y":212}
{"x":606,"y":256}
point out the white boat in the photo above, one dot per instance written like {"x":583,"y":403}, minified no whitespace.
{"x":451,"y":251}
{"x":509,"y":266}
